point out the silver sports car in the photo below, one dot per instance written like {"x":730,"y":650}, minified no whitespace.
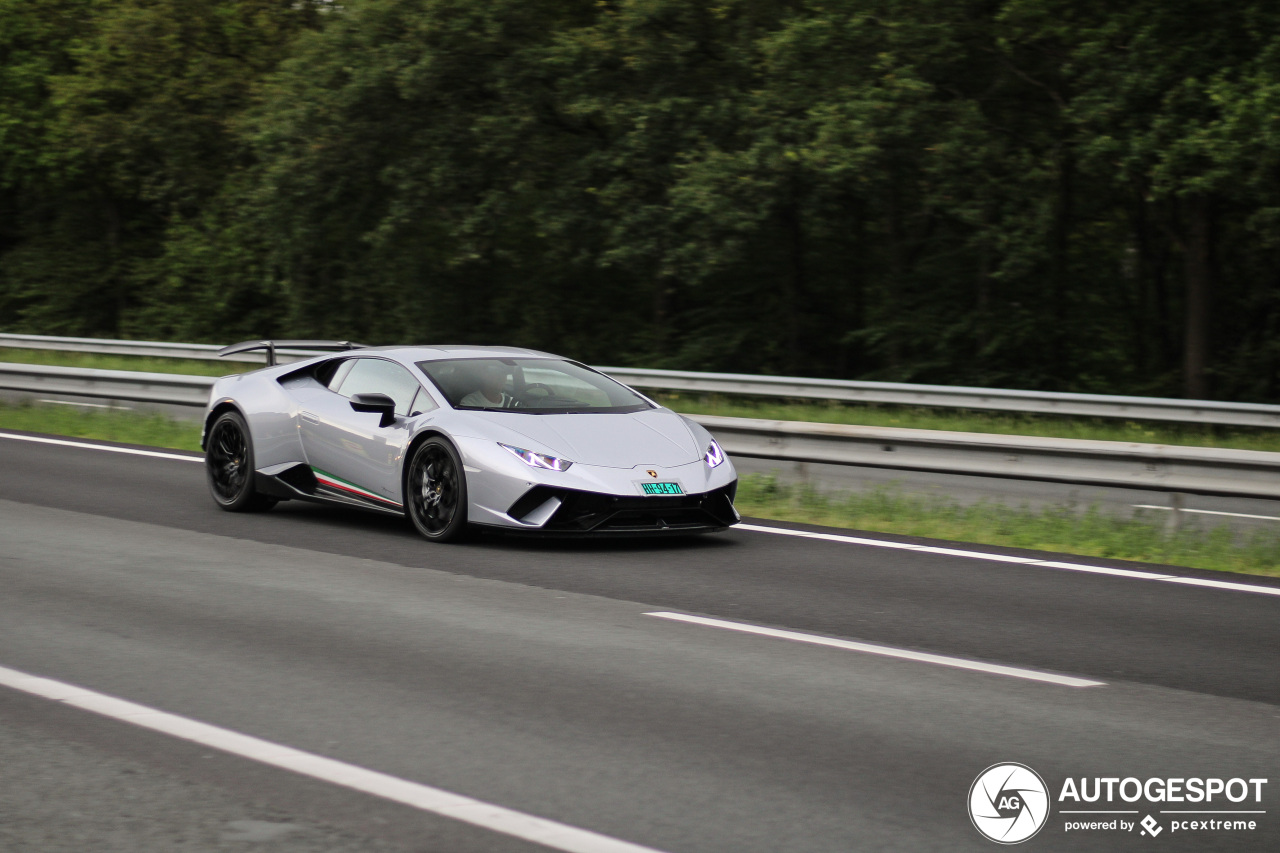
{"x":459,"y":436}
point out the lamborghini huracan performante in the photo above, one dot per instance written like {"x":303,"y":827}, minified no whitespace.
{"x":460,"y":437}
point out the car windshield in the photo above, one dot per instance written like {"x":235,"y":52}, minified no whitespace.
{"x":537,"y":386}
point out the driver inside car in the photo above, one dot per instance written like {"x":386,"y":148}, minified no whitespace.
{"x":490,"y":377}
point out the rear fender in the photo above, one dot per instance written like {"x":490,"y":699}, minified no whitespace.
{"x":271,"y":413}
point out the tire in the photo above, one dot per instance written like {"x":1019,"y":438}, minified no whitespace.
{"x":229,"y":464}
{"x":436,"y":491}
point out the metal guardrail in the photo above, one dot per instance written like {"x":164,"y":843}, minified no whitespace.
{"x":956,"y":397}
{"x":937,"y":396}
{"x":1164,"y":468}
{"x":1115,"y":464}
{"x":175,"y":389}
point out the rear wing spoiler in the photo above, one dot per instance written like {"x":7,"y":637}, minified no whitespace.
{"x":272,"y":346}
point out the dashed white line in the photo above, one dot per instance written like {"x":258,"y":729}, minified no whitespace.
{"x":1007,"y":558}
{"x":39,"y":439}
{"x":548,"y":833}
{"x":884,"y":651}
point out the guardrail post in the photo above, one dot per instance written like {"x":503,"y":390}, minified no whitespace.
{"x":1177,"y":502}
{"x":802,"y":476}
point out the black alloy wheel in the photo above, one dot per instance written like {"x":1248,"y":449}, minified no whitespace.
{"x":228,"y":460}
{"x":436,"y":491}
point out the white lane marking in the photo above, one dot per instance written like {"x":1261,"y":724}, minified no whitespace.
{"x":1208,"y":512}
{"x":104,"y":447}
{"x":88,"y":405}
{"x":1268,"y":590}
{"x":548,"y":833}
{"x":886,"y":651}
{"x":1101,"y":570}
{"x":1006,"y":558}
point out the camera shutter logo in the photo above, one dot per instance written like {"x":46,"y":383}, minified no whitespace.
{"x":1008,"y":803}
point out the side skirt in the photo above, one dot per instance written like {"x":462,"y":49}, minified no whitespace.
{"x":302,"y":482}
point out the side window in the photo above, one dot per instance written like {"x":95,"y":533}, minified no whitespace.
{"x":422,"y":403}
{"x":340,"y":373}
{"x":379,"y":376}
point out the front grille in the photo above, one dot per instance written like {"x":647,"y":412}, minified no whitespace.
{"x":590,"y":512}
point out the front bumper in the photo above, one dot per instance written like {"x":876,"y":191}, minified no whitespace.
{"x":504,"y":493}
{"x":573,"y":512}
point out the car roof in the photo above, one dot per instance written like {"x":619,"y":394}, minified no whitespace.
{"x":438,"y":352}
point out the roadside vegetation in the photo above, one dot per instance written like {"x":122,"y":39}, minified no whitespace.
{"x":1089,"y":533}
{"x":1039,"y":194}
{"x":1062,"y":529}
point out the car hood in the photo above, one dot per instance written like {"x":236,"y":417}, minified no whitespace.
{"x":655,"y":437}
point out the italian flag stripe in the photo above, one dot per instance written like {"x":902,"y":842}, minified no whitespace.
{"x":327,"y":479}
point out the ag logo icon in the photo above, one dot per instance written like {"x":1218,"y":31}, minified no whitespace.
{"x":1008,"y":803}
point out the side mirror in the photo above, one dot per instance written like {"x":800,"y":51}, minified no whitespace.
{"x":379,"y":404}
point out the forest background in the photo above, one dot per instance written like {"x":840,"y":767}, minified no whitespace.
{"x":1044,"y":194}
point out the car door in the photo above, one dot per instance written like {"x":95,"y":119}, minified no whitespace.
{"x":352,"y":456}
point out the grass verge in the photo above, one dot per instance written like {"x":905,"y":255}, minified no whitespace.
{"x":127,"y":427}
{"x":1060,"y":529}
{"x":1063,"y":529}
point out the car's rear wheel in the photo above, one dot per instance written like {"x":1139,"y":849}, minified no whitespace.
{"x":436,"y":491}
{"x":228,"y":460}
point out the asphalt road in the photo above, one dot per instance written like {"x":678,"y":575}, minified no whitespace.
{"x":527,"y":674}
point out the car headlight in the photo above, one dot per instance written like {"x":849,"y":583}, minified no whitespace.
{"x":714,"y":454}
{"x":538,"y":460}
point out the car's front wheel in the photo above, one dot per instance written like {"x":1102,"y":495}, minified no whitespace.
{"x":228,"y":460}
{"x":436,"y":491}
